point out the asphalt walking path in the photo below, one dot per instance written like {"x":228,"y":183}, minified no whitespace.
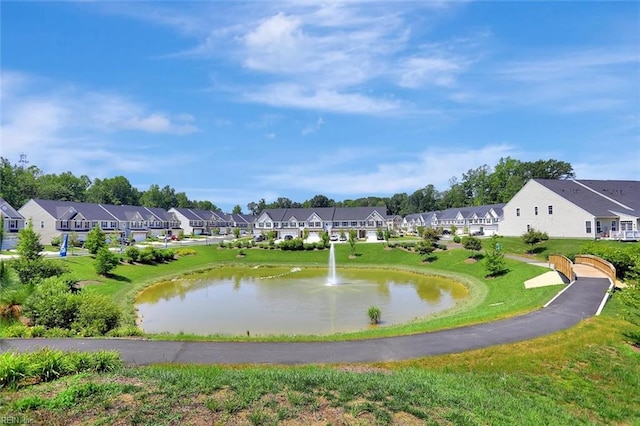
{"x":578,"y":301}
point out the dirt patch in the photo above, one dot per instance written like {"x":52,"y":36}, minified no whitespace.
{"x":470,"y":260}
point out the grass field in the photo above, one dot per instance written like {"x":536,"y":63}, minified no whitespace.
{"x":586,"y":375}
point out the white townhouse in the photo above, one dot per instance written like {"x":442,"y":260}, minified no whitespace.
{"x":575,"y":209}
{"x":200,"y":222}
{"x":335,"y":220}
{"x":12,"y":223}
{"x":54,"y":218}
{"x":476,"y":219}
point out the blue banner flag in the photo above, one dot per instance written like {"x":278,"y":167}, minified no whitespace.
{"x":63,"y":246}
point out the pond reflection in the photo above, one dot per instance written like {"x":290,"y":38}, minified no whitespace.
{"x":284,"y":300}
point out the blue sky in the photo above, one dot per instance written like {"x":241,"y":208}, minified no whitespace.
{"x":236,"y":101}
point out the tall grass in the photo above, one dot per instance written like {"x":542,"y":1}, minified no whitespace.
{"x":46,"y":364}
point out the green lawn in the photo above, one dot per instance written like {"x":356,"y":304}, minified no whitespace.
{"x":488,"y":299}
{"x":586,"y":375}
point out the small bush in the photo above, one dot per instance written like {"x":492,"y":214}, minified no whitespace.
{"x":184,"y":252}
{"x":56,"y":332}
{"x":96,"y":315}
{"x":105,"y":261}
{"x":128,"y":331}
{"x":375,"y":314}
{"x":16,"y":330}
{"x":131,"y":254}
{"x":37,"y":331}
{"x":456,"y":239}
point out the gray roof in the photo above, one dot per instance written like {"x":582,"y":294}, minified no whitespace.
{"x":325,"y":213}
{"x":357,"y":213}
{"x":8,"y":211}
{"x":89,"y":211}
{"x":598,"y":197}
{"x":188,"y":213}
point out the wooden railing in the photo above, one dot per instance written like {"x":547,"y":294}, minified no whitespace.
{"x":598,"y":263}
{"x":563,"y":265}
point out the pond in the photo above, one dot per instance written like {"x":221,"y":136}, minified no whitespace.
{"x":285,"y":300}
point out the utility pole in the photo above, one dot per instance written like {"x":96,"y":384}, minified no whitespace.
{"x":23,"y":160}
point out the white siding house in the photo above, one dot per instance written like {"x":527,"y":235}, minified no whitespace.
{"x":12,"y":223}
{"x":575,"y":209}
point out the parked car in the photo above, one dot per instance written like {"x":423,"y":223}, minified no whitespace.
{"x":258,"y":238}
{"x":343,"y":238}
{"x":334,"y":237}
{"x":288,"y":237}
{"x":477,"y":233}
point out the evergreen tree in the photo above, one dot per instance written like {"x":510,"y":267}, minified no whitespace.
{"x":96,"y":240}
{"x":29,"y":246}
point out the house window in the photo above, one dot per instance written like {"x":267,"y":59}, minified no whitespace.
{"x":42,"y":224}
{"x":598,"y":227}
{"x":550,"y":209}
{"x":336,"y":224}
{"x":517,"y":212}
{"x":345,"y":224}
{"x":354,"y":223}
{"x":528,"y":228}
{"x":613,"y":225}
{"x":587,"y":226}
{"x":535,"y":210}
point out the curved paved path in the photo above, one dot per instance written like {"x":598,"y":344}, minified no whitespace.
{"x":580,"y":300}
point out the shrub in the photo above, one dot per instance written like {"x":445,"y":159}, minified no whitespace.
{"x":184,"y":252}
{"x":494,"y":262}
{"x":375,"y":314}
{"x":56,"y":241}
{"x":147,"y":255}
{"x":533,"y":237}
{"x":51,"y":304}
{"x":472,"y":244}
{"x":131,"y":254}
{"x":456,"y":239}
{"x":53,"y":307}
{"x":127,"y":331}
{"x":33,"y":271}
{"x":105,"y":261}
{"x":16,"y":330}
{"x":96,"y":315}
{"x":95,"y":240}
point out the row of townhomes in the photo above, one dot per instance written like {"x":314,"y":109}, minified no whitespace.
{"x":366,"y":221}
{"x":590,"y":209}
{"x":54,"y":218}
{"x":483,"y":220}
{"x":202,"y":222}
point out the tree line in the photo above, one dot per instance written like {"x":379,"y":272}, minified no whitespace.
{"x":480,"y":186}
{"x":19,"y":184}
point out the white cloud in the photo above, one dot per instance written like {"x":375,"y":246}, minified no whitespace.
{"x":575,"y":80}
{"x":342,"y":176}
{"x":419,"y":71}
{"x":295,"y":96}
{"x":65,"y":128}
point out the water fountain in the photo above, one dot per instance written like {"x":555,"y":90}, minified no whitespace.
{"x":332,"y":278}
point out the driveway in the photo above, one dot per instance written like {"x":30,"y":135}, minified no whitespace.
{"x":580,"y":300}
